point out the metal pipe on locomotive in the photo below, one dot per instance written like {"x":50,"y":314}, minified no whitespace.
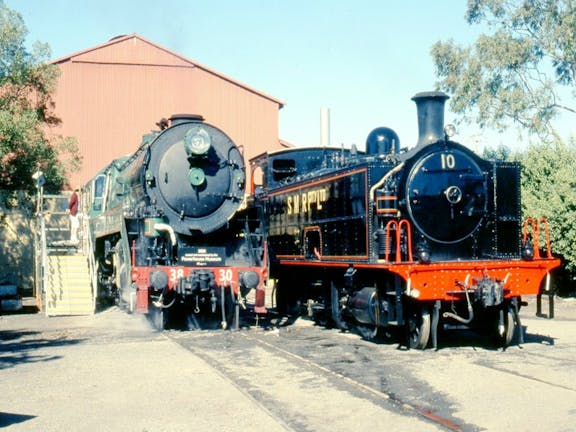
{"x":172,"y":232}
{"x":421,"y":239}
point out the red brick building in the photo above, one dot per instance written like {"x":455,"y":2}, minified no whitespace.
{"x":110,"y":95}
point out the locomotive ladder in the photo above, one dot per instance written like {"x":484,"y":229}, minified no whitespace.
{"x":62,"y":277}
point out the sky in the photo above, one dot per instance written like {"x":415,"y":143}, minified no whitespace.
{"x":363,"y":59}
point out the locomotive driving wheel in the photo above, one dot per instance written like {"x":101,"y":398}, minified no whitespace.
{"x":505,"y":326}
{"x":417,"y":321}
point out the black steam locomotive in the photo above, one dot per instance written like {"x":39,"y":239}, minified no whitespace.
{"x":415,"y":239}
{"x":172,"y":231}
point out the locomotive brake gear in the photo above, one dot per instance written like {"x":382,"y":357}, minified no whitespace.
{"x":454,"y":315}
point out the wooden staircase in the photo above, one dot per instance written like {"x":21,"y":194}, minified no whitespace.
{"x":68,"y":290}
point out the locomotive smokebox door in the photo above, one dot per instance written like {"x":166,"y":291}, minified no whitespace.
{"x":446,"y":186}
{"x":199,"y":176}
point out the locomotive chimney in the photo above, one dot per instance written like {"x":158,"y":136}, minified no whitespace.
{"x":430,"y":108}
{"x":183,"y":118}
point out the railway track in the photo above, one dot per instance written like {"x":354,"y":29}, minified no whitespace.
{"x":311,"y":378}
{"x":289,"y":384}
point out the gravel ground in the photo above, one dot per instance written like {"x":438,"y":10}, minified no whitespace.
{"x":112,"y":372}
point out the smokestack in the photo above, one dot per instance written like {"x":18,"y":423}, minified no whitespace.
{"x":430,"y":108}
{"x":325,"y":127}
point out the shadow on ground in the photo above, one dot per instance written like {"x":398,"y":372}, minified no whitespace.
{"x":7,"y":419}
{"x":23,"y":345}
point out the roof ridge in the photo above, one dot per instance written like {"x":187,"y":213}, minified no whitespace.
{"x":122,"y":38}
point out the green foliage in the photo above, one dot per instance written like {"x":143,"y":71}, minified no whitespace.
{"x":500,"y":153}
{"x":516,"y":73}
{"x":549,"y":189}
{"x":26,"y":112}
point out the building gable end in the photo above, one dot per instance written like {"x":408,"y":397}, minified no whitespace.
{"x":132,"y":50}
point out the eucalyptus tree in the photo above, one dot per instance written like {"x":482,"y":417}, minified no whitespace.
{"x":521,"y":71}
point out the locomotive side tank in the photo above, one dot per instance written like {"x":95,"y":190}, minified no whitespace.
{"x":420,"y":240}
{"x":172,"y":232}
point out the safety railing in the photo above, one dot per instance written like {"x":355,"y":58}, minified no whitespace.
{"x":532,"y":229}
{"x":403,"y":231}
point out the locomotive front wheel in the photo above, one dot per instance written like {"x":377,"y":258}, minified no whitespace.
{"x":505,"y":329}
{"x":418,"y":326}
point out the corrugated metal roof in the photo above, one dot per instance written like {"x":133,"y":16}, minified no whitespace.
{"x":141,"y":56}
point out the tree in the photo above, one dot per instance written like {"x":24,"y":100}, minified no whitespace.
{"x":26,"y":112}
{"x":501,"y":153}
{"x":517,"y":74}
{"x":549,"y":190}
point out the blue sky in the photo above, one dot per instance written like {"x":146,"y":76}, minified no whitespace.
{"x":362,"y":59}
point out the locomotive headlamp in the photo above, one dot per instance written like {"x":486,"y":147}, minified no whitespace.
{"x":423,"y":251}
{"x":528,"y":251}
{"x":197,"y":141}
{"x":449,"y":130}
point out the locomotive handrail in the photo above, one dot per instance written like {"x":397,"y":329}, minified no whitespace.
{"x":408,"y":236}
{"x":385,"y":177}
{"x":544,"y":221}
{"x":408,"y":232}
{"x":535,"y":225}
{"x":531,"y":223}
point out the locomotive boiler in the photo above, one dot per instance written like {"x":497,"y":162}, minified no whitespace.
{"x":172,"y":232}
{"x":419,"y":240}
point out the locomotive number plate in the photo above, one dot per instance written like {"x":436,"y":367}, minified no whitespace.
{"x":202,"y":256}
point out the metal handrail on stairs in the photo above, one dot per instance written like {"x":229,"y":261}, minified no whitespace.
{"x":52,"y":246}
